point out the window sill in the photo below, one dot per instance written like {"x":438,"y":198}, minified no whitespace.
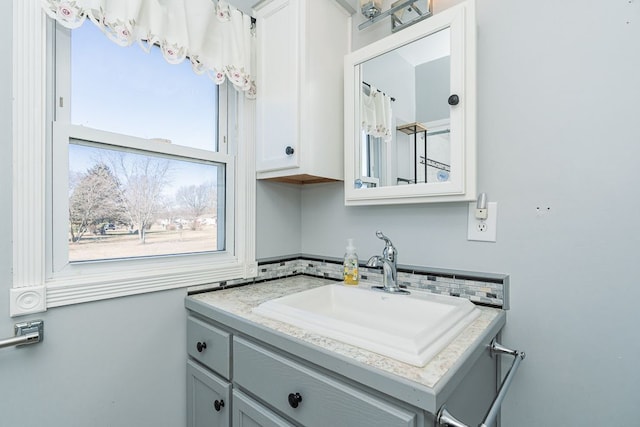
{"x":62,"y":292}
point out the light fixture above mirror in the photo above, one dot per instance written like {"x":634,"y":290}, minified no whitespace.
{"x":371,"y":8}
{"x":402,"y":12}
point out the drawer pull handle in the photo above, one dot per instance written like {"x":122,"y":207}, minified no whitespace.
{"x":201,"y":346}
{"x":218,"y":404}
{"x":294,"y":400}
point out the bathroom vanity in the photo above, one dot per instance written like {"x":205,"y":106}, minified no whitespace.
{"x":245,"y":369}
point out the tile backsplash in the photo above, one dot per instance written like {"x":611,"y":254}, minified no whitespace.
{"x":481,"y":288}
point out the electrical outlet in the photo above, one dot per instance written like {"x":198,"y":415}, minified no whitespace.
{"x":483,"y":230}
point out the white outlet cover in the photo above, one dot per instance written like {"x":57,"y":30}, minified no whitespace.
{"x":488,"y":225}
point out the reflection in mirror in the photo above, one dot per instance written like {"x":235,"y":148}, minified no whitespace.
{"x":404,"y":114}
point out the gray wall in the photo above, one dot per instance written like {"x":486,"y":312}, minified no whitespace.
{"x":279,"y":220}
{"x":432,"y":90}
{"x":558,"y":127}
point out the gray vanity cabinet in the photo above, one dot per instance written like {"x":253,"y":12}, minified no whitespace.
{"x":244,"y":374}
{"x":269,"y":388}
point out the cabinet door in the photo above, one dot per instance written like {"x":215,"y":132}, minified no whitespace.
{"x":208,"y":398}
{"x":278,"y":86}
{"x":249,"y":413}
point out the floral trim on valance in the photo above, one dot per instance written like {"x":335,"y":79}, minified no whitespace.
{"x":216,"y":38}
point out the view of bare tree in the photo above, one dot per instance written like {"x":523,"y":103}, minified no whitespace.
{"x":196,"y":200}
{"x":142,"y":182}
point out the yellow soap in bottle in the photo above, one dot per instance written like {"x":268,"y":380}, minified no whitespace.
{"x":351,"y":275}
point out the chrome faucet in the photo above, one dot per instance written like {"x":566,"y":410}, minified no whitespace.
{"x":389,"y":263}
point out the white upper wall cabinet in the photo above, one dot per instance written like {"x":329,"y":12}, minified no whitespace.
{"x":301,"y":49}
{"x":410,"y":113}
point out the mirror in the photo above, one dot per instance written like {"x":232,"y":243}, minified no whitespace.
{"x":410,"y":114}
{"x":408,"y":86}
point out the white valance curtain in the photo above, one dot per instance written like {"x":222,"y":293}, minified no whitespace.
{"x":217,"y":38}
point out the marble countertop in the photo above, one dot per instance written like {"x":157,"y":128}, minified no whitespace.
{"x":240,"y":301}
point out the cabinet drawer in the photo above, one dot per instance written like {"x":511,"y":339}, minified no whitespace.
{"x":323,"y":401}
{"x":208,"y":398}
{"x":249,"y":413}
{"x":209,"y":346}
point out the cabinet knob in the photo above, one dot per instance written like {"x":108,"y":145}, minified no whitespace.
{"x":294,"y":400}
{"x":453,"y":99}
{"x":218,"y":404}
{"x":289,"y":150}
{"x":201,"y":346}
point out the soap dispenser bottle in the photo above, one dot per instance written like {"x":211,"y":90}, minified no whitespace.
{"x":351,"y":276}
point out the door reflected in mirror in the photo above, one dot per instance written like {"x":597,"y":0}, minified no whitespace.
{"x":405,"y":114}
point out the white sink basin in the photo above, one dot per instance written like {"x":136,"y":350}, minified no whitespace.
{"x":409,"y":328}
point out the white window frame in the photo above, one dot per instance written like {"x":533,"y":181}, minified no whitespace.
{"x":35,"y":288}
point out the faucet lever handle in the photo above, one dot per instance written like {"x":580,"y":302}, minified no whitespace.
{"x":381,"y":236}
{"x":390,"y":252}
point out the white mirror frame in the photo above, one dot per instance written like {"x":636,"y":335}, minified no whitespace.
{"x":462,"y":186}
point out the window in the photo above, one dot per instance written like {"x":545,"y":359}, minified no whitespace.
{"x":128,"y":91}
{"x":127,"y":195}
{"x":149,"y":177}
{"x":124,"y":205}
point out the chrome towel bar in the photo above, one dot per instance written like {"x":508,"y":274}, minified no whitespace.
{"x":444,"y":417}
{"x":25,"y":333}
